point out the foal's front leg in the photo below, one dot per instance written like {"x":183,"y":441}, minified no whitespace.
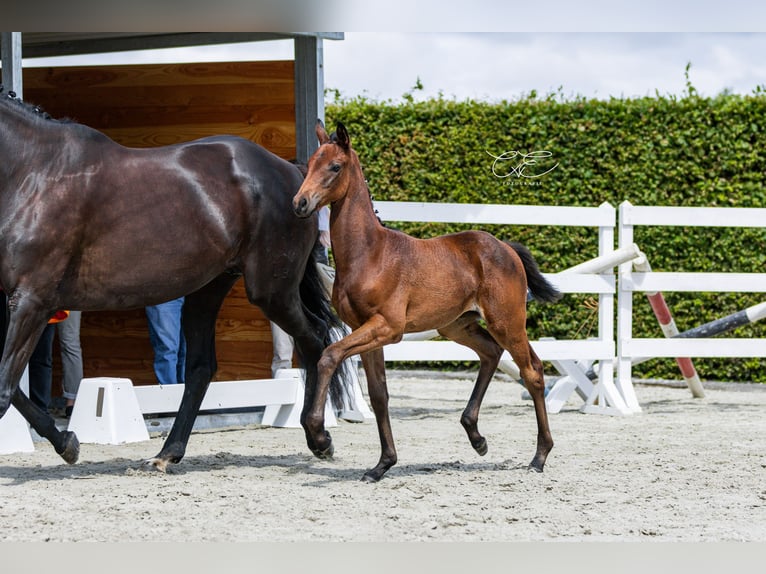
{"x":375,"y":371}
{"x":372,"y":335}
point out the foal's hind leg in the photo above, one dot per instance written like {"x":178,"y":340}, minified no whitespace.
{"x":466,"y":331}
{"x":510,"y":331}
{"x":199,"y":315}
{"x":532,"y":374}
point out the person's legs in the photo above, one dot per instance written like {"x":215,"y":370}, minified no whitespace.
{"x":283,"y":349}
{"x":41,"y":369}
{"x":165,"y":336}
{"x":71,"y":355}
{"x":181,"y":360}
{"x":3,"y":319}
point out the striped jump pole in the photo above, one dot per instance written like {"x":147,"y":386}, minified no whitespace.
{"x":724,"y":324}
{"x":711,"y":329}
{"x":669,"y":328}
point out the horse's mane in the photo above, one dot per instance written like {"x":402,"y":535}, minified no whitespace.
{"x":11,"y":98}
{"x":334,"y":139}
{"x":302,"y":167}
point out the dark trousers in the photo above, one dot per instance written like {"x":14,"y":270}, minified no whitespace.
{"x":41,"y":369}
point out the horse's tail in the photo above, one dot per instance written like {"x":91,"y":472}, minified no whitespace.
{"x":540,"y":288}
{"x":316,"y":301}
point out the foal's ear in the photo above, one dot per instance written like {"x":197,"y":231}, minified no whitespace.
{"x":321,"y":133}
{"x":343,"y":138}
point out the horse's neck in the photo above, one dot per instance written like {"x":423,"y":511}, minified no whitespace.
{"x":19,"y":132}
{"x":354,"y":227}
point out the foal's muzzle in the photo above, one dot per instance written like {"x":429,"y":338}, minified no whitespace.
{"x":302,"y":206}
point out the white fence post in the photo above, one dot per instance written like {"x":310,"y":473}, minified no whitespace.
{"x":625,"y":312}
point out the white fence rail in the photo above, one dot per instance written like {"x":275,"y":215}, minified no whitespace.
{"x":581,"y":279}
{"x":564,"y":353}
{"x":628,"y":347}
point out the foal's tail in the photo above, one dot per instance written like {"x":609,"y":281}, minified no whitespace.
{"x":540,"y":288}
{"x":317,"y":302}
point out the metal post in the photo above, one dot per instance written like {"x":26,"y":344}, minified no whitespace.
{"x":309,"y":94}
{"x":10,"y":50}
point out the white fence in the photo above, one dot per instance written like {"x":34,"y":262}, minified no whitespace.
{"x":602,"y":219}
{"x":563,"y":353}
{"x":574,"y":357}
{"x":629,"y":348}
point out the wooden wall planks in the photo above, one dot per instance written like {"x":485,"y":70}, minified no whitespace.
{"x":162,"y":104}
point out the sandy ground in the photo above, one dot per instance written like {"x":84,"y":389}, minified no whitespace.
{"x":683,"y":470}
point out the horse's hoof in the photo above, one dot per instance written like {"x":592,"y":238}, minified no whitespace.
{"x":325,"y":454}
{"x":155,"y":464}
{"x":481,"y":447}
{"x":71,"y":451}
{"x":535,"y":468}
{"x":369,"y":479}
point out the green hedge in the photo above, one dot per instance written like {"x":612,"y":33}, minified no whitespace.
{"x":688,"y":151}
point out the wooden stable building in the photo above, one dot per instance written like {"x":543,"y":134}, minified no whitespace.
{"x":273,"y":103}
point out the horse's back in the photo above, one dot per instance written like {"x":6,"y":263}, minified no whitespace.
{"x":451,"y":269}
{"x":473,"y":248}
{"x":125,"y":227}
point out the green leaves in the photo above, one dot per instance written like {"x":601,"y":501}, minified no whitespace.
{"x":690,"y":151}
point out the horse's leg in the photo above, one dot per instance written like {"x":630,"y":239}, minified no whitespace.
{"x":532,"y":374}
{"x":466,"y":331}
{"x":372,"y":335}
{"x":26,"y":322}
{"x":308,"y":336}
{"x":279,"y":297}
{"x":509,"y":329}
{"x":375,"y":371}
{"x":199,"y":314}
{"x":64,"y":442}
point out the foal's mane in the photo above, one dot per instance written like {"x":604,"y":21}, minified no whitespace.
{"x":334,"y":140}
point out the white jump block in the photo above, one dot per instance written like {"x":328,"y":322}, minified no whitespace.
{"x":106,"y":412}
{"x":358,"y":411}
{"x":289,"y":415}
{"x":15,"y":435}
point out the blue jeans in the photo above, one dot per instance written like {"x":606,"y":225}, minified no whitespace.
{"x":167,"y":338}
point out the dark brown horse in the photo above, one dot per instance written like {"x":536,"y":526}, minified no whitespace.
{"x":388,"y":283}
{"x":88,"y":224}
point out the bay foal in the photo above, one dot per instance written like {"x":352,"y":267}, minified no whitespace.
{"x":388,"y":283}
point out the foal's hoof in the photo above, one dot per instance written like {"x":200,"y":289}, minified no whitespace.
{"x":535,"y":468}
{"x":369,"y":478}
{"x":481,"y":447}
{"x":71,"y":450}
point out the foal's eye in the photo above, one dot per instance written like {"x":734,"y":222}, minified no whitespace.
{"x":335,"y":167}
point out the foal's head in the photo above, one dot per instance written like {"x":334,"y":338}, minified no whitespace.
{"x":329,"y":172}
